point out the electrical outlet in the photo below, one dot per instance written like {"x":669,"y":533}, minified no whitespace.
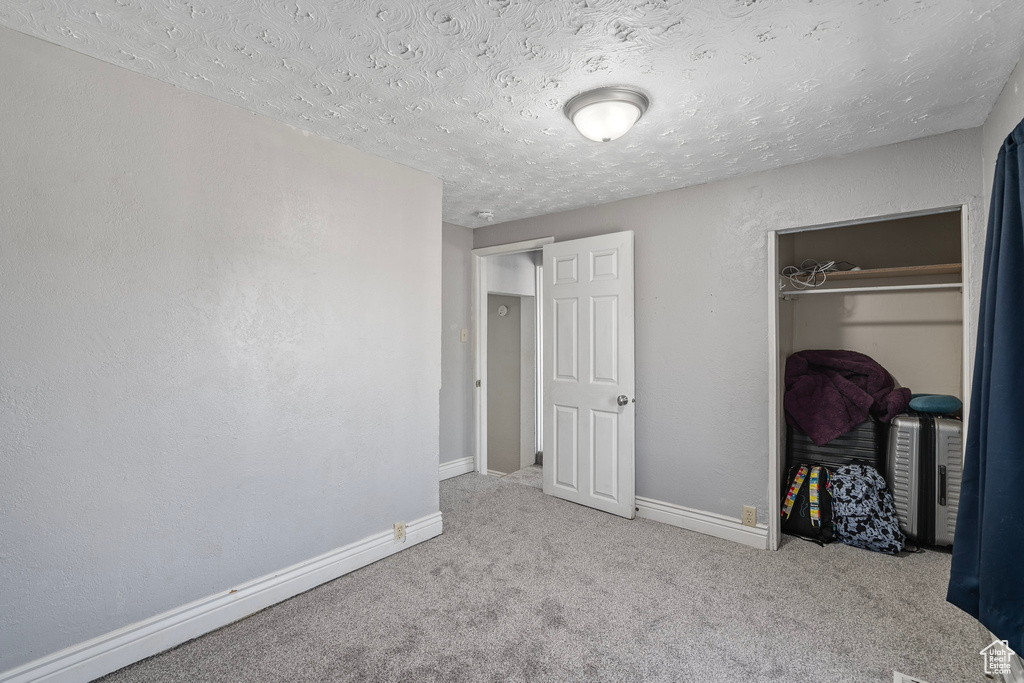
{"x":749,"y":516}
{"x":465,"y":336}
{"x":399,"y":532}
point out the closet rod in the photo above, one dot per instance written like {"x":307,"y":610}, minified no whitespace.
{"x":860,"y":290}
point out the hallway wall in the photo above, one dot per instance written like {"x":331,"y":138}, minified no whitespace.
{"x":221,"y":347}
{"x":504,"y":375}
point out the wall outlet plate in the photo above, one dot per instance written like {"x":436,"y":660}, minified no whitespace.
{"x":465,"y":336}
{"x":399,"y":532}
{"x":749,"y":516}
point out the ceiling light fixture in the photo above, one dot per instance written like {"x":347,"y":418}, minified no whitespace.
{"x":606,"y":114}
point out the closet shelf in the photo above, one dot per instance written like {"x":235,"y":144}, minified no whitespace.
{"x":880,"y":273}
{"x":903,"y":271}
{"x":794,"y":293}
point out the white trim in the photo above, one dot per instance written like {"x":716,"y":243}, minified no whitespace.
{"x":709,"y":523}
{"x":513,"y":247}
{"x":538,"y":364}
{"x":774,"y":396}
{"x":496,"y":473}
{"x":117,"y":649}
{"x":480,"y":359}
{"x":454,"y":468}
{"x":480,"y":335}
{"x":966,"y":298}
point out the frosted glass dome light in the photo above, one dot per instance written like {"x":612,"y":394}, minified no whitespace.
{"x":606,"y":114}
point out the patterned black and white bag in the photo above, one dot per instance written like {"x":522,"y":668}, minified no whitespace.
{"x":863,"y":510}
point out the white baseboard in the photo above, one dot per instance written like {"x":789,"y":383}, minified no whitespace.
{"x":709,"y":523}
{"x":454,"y":468}
{"x":496,"y":473}
{"x":117,"y":649}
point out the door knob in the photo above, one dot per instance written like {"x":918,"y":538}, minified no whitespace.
{"x":622,"y":400}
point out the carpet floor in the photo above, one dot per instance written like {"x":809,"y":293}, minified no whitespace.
{"x":525,"y":587}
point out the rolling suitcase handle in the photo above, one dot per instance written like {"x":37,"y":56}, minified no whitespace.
{"x":942,"y":484}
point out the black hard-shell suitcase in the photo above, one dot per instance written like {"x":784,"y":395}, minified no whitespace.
{"x":865,"y":444}
{"x":924,"y":474}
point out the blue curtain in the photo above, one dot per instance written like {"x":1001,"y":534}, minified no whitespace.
{"x":987,"y":575}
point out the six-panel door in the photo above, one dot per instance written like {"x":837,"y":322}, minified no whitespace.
{"x":588,"y":366}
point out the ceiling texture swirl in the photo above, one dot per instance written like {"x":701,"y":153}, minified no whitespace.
{"x":472,"y":91}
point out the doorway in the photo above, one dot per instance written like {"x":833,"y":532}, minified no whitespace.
{"x":508,"y":331}
{"x":585,"y":358}
{"x":512,"y":390}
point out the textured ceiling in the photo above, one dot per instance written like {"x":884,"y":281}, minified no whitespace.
{"x":472,"y":91}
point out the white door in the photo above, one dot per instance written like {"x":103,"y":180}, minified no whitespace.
{"x":588,"y":372}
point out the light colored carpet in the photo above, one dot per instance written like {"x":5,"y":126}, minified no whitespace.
{"x":528,"y":476}
{"x":525,"y":587}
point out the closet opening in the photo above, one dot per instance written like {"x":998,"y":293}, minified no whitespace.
{"x":892,"y":288}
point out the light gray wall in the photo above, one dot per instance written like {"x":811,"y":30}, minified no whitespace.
{"x":512,"y":274}
{"x":504,"y":373}
{"x":702,"y":276}
{"x":916,"y":336}
{"x":921,"y":240}
{"x":220,"y":346}
{"x":1004,"y":117}
{"x":527,"y":381}
{"x":457,"y":378}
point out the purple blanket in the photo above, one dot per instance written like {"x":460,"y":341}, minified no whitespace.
{"x":828,"y":393}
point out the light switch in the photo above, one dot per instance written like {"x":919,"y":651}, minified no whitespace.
{"x":465,"y":336}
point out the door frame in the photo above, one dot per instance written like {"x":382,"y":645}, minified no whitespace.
{"x":479,"y":322}
{"x":776,"y":385}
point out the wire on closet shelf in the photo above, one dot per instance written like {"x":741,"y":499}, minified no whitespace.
{"x":811,"y":273}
